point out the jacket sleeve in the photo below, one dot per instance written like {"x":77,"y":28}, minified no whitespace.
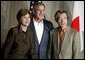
{"x":49,"y":50}
{"x":8,"y":43}
{"x":76,"y":46}
{"x":52,"y":26}
{"x":32,"y":46}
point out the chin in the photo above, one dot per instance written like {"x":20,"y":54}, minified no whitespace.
{"x":39,"y":18}
{"x":25,"y":25}
{"x":62,"y":27}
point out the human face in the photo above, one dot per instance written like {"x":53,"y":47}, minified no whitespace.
{"x":39,"y":12}
{"x":62,"y":21}
{"x":25,"y":20}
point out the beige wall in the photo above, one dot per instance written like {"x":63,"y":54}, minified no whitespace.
{"x":51,"y":8}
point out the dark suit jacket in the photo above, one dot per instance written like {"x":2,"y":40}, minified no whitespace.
{"x":70,"y":47}
{"x":19,"y":45}
{"x":41,"y":49}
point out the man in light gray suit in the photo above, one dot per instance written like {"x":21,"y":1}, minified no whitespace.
{"x":64,"y":41}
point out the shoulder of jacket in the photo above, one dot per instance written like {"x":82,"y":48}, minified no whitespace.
{"x":73,"y":30}
{"x":47,"y":21}
{"x":53,"y":30}
{"x":14,"y":29}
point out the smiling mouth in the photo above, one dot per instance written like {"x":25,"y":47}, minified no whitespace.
{"x":26,"y":22}
{"x":61,"y":24}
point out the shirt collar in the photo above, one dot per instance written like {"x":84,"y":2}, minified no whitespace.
{"x":63,"y":30}
{"x":20,"y":29}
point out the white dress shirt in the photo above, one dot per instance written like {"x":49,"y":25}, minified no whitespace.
{"x":39,"y":29}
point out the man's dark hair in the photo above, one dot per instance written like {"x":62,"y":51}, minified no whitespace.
{"x":37,"y":4}
{"x":56,"y":16}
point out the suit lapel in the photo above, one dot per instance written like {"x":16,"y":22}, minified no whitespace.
{"x":56,"y":38}
{"x":44,"y":31}
{"x":33,"y":29}
{"x":66,"y":39}
{"x":21,"y":36}
{"x":31,"y":25}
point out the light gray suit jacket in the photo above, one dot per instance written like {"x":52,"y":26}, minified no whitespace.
{"x":70,"y":47}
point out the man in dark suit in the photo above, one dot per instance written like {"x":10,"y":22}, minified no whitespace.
{"x":41,"y":28}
